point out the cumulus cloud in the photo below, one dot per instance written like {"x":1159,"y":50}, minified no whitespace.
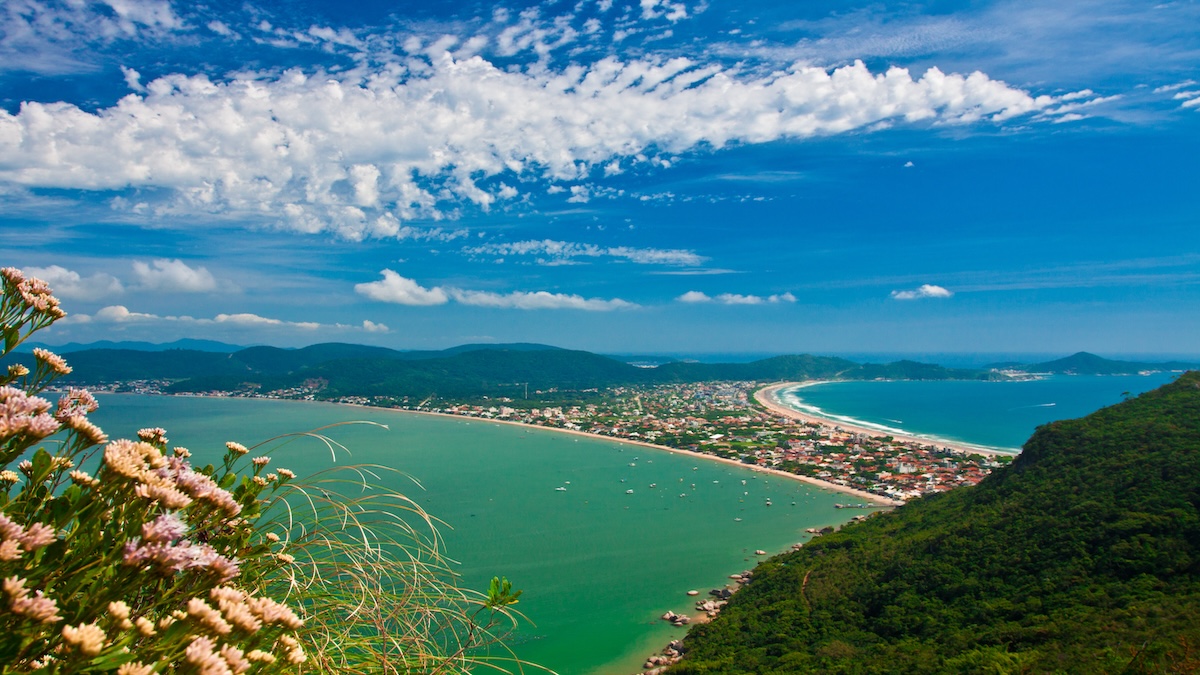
{"x":554,"y":251}
{"x":256,"y":320}
{"x":695,"y":297}
{"x":923,"y":291}
{"x":360,"y":153}
{"x":71,"y":285}
{"x":119,"y":314}
{"x":399,"y":290}
{"x":173,"y":275}
{"x":372,"y":327}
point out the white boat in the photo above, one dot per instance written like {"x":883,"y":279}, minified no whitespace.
{"x":629,"y":492}
{"x":560,"y":489}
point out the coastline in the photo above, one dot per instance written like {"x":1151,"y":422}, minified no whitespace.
{"x":776,"y":407}
{"x":816,"y":482}
{"x":768,"y":397}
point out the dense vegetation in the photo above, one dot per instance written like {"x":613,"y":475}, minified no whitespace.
{"x":460,"y":372}
{"x":1082,"y":556}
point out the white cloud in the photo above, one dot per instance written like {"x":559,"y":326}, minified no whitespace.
{"x":118,"y":314}
{"x":50,"y":37}
{"x":173,"y":275}
{"x":399,"y":290}
{"x":70,"y":285}
{"x":360,"y":153}
{"x":372,"y":327}
{"x":538,"y":300}
{"x":923,"y":291}
{"x":736,"y":298}
{"x":559,"y":251}
{"x":672,"y":11}
{"x":245,"y":319}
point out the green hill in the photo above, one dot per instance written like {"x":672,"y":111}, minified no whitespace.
{"x":465,"y":371}
{"x":1083,"y":556}
{"x":1084,"y":363}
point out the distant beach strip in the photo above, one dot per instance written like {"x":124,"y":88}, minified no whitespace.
{"x":816,"y":482}
{"x":770,"y":399}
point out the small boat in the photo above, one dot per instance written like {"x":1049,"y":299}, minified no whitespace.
{"x":629,"y":492}
{"x":560,"y":489}
{"x":737,"y":520}
{"x":653,"y":485}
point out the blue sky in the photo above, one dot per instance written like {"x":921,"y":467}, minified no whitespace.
{"x":637,"y":176}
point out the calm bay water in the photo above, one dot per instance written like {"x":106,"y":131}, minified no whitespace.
{"x":598,"y":566}
{"x":992,"y":414}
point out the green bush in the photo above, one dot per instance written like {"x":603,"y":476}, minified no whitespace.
{"x":122,"y":557}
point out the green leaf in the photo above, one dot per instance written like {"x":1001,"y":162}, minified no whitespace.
{"x":500,"y":593}
{"x":12,"y":335}
{"x":41,"y":464}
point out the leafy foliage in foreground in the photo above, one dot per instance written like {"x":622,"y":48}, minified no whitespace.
{"x":1082,"y":556}
{"x":123,"y":557}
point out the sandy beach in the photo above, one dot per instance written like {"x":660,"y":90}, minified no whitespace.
{"x":861,"y":494}
{"x":769,"y":398}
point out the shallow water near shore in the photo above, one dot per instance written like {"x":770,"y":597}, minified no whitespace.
{"x":597,"y":566}
{"x":998,"y":415}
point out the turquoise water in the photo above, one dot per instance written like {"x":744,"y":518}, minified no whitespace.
{"x":993,"y":414}
{"x":597,"y":566}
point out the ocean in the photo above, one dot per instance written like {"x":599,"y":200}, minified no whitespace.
{"x":598,"y":566}
{"x":999,"y":415}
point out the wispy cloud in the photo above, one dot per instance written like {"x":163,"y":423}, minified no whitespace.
{"x":550,"y":251}
{"x":698,"y":297}
{"x":921,"y":292}
{"x":120,"y":315}
{"x":50,"y":37}
{"x":399,"y":290}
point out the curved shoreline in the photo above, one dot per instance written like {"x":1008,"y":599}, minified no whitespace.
{"x":768,"y":397}
{"x":862,"y":494}
{"x":816,"y":482}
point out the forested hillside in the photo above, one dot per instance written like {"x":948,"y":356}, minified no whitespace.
{"x":1083,"y":556}
{"x":460,"y":372}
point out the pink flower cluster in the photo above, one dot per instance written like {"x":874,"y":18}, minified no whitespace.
{"x":34,"y":292}
{"x":162,"y":545}
{"x":198,"y":485}
{"x":14,"y":537}
{"x":24,"y":415}
{"x":37,"y":607}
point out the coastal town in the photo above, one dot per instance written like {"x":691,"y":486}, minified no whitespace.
{"x":723,"y":420}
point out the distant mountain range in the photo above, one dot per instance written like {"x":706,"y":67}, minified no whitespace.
{"x":339,"y":369}
{"x":1084,"y":363}
{"x":186,"y":343}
